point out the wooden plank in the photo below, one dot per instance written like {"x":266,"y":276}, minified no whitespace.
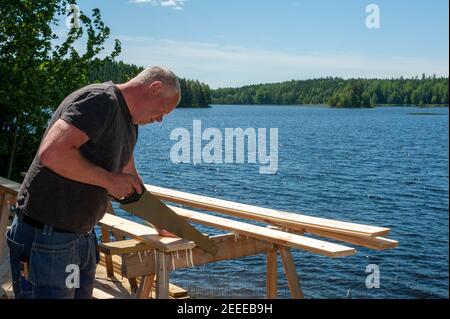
{"x":9,"y":186}
{"x":122,"y":247}
{"x":98,"y":293}
{"x":174,"y":291}
{"x":116,"y":260}
{"x":108,"y":287}
{"x":377,"y":243}
{"x":116,"y":234}
{"x":108,"y":258}
{"x":271,"y":276}
{"x":291,"y":273}
{"x":271,"y":235}
{"x":145,"y":234}
{"x":6,"y":202}
{"x":135,"y":265}
{"x":162,"y":276}
{"x":291,"y":220}
{"x":145,"y":287}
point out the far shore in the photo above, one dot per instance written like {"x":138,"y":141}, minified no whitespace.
{"x":426,"y":106}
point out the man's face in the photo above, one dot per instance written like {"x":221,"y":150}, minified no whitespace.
{"x":157,"y":102}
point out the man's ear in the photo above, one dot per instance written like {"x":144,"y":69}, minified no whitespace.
{"x":156,"y":86}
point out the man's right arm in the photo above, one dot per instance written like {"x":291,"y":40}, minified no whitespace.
{"x":59,"y":151}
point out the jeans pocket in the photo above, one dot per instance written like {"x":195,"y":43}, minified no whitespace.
{"x":52,"y":264}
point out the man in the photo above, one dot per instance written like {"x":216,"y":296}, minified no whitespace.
{"x":85,"y":155}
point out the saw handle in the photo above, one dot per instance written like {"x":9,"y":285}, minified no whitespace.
{"x":132,"y":198}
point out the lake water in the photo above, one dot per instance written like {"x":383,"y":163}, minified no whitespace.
{"x":386,"y":166}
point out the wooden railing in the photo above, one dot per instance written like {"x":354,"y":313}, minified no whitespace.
{"x":147,"y":258}
{"x":8,"y":196}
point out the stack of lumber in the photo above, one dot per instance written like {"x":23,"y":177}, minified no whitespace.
{"x":358,"y":234}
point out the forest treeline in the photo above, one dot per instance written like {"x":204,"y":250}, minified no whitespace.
{"x":194,"y":93}
{"x":338,"y":92}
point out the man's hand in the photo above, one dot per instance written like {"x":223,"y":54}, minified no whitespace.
{"x":165,"y":233}
{"x":130,"y":168}
{"x":122,"y":185}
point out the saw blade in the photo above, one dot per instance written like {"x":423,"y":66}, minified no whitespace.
{"x":153,"y":210}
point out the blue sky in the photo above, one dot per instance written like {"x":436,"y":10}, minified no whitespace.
{"x":233,"y":43}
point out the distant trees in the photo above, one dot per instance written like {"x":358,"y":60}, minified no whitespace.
{"x":338,"y":92}
{"x":116,"y":71}
{"x":193,"y":92}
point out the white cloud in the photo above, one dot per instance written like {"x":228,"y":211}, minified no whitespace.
{"x":175,"y":4}
{"x":225,"y":65}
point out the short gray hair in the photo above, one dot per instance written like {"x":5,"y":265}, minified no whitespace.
{"x":157,"y":73}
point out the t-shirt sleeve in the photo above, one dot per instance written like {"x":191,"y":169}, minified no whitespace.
{"x":91,"y":114}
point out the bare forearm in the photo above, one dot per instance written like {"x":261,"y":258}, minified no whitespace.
{"x":72,"y":165}
{"x":130,"y":168}
{"x":60,"y":152}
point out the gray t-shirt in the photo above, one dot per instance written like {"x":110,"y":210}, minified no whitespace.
{"x":101,"y":112}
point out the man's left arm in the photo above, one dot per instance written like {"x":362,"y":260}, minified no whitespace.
{"x":130,"y":168}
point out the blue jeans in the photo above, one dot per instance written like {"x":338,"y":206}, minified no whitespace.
{"x":46,"y":264}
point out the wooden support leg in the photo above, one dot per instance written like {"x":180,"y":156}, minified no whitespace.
{"x":108,"y":257}
{"x":145,"y":288}
{"x":5,"y":201}
{"x":291,"y":273}
{"x":271,"y":274}
{"x":110,"y":210}
{"x":133,"y":284}
{"x":162,"y":276}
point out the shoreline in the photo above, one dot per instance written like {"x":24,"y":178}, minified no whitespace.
{"x":427,"y":106}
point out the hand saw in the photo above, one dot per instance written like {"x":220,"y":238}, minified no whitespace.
{"x":150,"y":208}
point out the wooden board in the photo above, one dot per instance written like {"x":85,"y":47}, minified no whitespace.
{"x":145,"y":234}
{"x":271,"y":235}
{"x":377,"y":243}
{"x":271,"y":274}
{"x":6,"y":200}
{"x":291,"y":273}
{"x":106,"y":287}
{"x":123,"y":247}
{"x":292,"y":220}
{"x":230,"y":247}
{"x":9,"y":186}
